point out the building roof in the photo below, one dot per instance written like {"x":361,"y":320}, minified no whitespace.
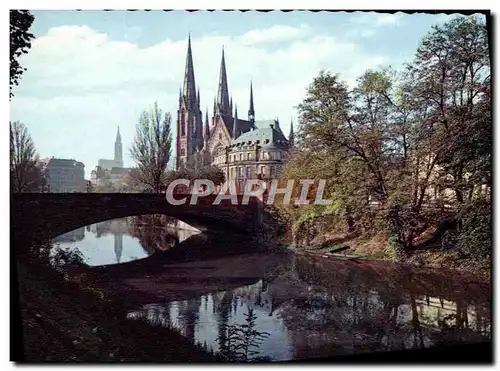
{"x":62,"y":162}
{"x":119,"y":170}
{"x":243,"y":125}
{"x":267,"y":135}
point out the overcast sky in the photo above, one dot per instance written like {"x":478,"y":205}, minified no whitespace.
{"x":89,"y":71}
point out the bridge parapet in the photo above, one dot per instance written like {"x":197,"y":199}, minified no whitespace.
{"x":59,"y":213}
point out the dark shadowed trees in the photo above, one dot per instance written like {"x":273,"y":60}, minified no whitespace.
{"x":26,"y":173}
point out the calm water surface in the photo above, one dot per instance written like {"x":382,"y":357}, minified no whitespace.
{"x":301,"y":306}
{"x":122,"y":240}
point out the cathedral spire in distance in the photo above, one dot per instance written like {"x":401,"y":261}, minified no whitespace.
{"x":189,"y":88}
{"x":118,"y":148}
{"x":222,"y":92}
{"x":251,"y":110}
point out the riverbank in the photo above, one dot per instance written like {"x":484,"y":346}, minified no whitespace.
{"x":323,"y":238}
{"x":63,"y":323}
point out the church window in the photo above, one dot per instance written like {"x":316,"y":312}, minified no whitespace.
{"x":183,"y":128}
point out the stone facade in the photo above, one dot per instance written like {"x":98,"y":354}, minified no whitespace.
{"x":65,"y":175}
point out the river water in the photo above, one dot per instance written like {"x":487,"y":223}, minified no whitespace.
{"x":284,"y":306}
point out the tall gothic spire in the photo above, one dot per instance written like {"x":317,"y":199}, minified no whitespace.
{"x":235,"y":123}
{"x":118,"y":136}
{"x":118,"y":148}
{"x":251,"y":110}
{"x":189,"y":88}
{"x":222,"y":92}
{"x":291,"y":137}
{"x":207,"y":127}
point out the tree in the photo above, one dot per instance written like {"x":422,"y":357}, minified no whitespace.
{"x":452,"y":75}
{"x":20,"y":42}
{"x":26,"y":173}
{"x":151,"y":148}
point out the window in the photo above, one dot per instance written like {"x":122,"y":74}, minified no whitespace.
{"x":241,"y":156}
{"x":240,"y":171}
{"x":249,"y":156}
{"x":249,"y":172}
{"x":263,"y":170}
{"x":271,"y":171}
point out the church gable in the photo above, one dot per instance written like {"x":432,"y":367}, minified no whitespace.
{"x":219,"y":136}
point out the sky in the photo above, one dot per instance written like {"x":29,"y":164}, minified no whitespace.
{"x":91,"y":71}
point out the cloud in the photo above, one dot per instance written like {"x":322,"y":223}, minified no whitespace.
{"x":275,"y":33}
{"x":376,"y":19}
{"x":80,"y":83}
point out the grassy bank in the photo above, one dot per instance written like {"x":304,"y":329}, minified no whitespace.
{"x":62,"y":322}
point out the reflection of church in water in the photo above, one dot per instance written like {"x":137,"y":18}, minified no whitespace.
{"x":117,"y":228}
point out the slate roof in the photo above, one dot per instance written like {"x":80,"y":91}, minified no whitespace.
{"x":243,"y":125}
{"x":268,"y":135}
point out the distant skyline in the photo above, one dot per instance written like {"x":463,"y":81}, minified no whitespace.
{"x":90,"y":71}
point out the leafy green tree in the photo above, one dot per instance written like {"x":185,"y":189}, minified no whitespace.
{"x":152,"y":148}
{"x":452,"y":74}
{"x":20,"y":42}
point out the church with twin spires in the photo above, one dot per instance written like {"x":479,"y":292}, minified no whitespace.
{"x":241,"y":148}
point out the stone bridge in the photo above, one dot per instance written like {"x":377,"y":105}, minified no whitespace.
{"x":52,"y":214}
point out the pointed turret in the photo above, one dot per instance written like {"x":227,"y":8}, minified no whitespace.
{"x":198,"y":98}
{"x":231,"y":105}
{"x":222,"y":92}
{"x":207,"y":123}
{"x":189,"y":88}
{"x":251,"y":111}
{"x":215,"y":107}
{"x":291,"y":137}
{"x":235,"y":123}
{"x":180,"y":96}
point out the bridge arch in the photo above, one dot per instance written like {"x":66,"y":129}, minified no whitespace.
{"x":55,"y":214}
